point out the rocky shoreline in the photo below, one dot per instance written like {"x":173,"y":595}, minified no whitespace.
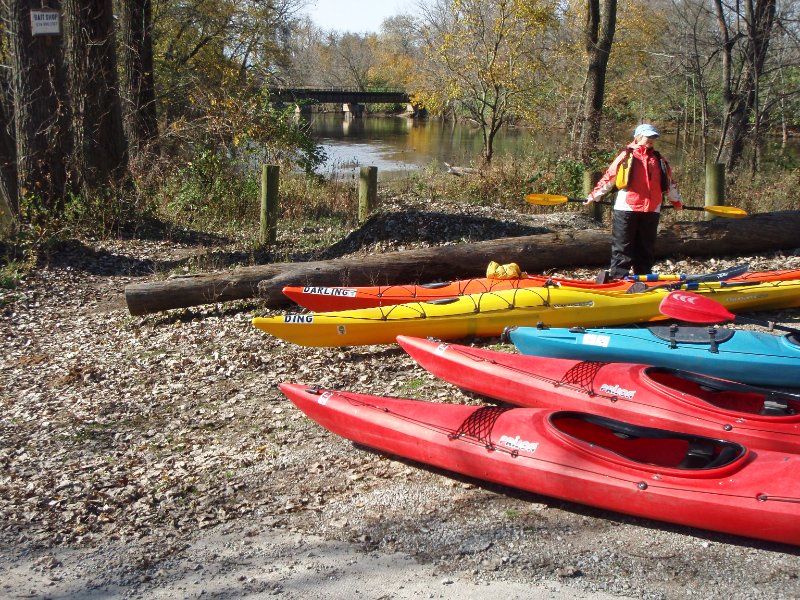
{"x":140,"y":455}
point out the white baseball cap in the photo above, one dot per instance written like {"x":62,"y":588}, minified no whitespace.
{"x":646,"y":130}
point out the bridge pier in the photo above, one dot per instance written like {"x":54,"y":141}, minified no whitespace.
{"x":353,"y":109}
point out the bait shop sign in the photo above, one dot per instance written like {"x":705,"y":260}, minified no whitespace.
{"x":45,"y":22}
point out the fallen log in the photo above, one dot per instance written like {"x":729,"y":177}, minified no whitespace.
{"x":535,"y":253}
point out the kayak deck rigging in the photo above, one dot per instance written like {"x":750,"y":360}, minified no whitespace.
{"x":728,"y":396}
{"x":645,"y":447}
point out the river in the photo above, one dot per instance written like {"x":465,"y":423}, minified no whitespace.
{"x":399,"y":146}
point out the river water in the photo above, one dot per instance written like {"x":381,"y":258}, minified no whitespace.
{"x":399,"y":146}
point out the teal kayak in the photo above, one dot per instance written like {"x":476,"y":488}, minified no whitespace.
{"x":747,"y":356}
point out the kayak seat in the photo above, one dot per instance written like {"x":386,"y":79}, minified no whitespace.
{"x":691,"y":335}
{"x":775,"y":406}
{"x":699,"y":454}
{"x":727,"y":456}
{"x":729,"y":395}
{"x":794,"y":338}
{"x":647,"y":445}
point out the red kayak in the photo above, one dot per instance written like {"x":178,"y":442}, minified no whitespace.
{"x":756,"y":417}
{"x":646,"y":472}
{"x":325,"y":299}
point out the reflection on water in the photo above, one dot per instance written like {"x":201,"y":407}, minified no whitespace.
{"x":398,"y":145}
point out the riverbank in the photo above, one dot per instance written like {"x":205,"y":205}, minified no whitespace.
{"x":154,"y":456}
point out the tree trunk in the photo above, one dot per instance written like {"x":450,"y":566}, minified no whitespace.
{"x":41,"y":118}
{"x":741,"y":101}
{"x":8,"y":157}
{"x":536,"y":253}
{"x":101,"y":152}
{"x":599,"y":37}
{"x":138,"y":87}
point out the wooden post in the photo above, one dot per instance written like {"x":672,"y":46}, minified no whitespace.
{"x":270,"y":175}
{"x":367,"y":192}
{"x":590,"y":178}
{"x":715,"y":186}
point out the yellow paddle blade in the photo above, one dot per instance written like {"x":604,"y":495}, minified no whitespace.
{"x":546,"y":199}
{"x":732,"y":212}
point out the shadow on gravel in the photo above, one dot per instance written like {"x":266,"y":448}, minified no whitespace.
{"x":388,"y":230}
{"x":605,"y":517}
{"x":434,"y":228}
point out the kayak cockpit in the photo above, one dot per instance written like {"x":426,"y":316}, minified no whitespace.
{"x":738,"y":399}
{"x":646,"y":447}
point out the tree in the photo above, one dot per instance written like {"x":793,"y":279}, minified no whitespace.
{"x":748,"y":28}
{"x":480,"y":59}
{"x":41,"y":114}
{"x":601,"y":21}
{"x":8,"y":157}
{"x":138,"y":83}
{"x":101,"y":152}
{"x":397,"y":52}
{"x":349,"y":59}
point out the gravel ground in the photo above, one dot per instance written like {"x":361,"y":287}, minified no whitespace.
{"x":155,"y":457}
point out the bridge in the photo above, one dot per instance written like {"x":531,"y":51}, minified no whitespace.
{"x":339,"y":95}
{"x":352,"y":100}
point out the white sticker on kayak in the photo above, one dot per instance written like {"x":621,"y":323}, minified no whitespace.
{"x":323,"y":399}
{"x":326,"y":291}
{"x":440,"y":349}
{"x":616,"y":390}
{"x":595,"y":339}
{"x":299,"y":319}
{"x":518,"y":444}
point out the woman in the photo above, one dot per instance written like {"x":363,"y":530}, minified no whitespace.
{"x":643,"y":178}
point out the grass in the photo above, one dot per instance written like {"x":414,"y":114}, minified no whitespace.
{"x":412,"y":386}
{"x":315,"y":212}
{"x":11,"y":274}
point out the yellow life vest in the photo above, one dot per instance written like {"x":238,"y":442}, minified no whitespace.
{"x":625,"y":166}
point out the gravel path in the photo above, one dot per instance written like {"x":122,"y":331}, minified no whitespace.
{"x":154,"y":457}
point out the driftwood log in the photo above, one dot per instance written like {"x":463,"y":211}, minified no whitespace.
{"x":536,"y":253}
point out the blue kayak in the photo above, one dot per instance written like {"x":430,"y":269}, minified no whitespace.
{"x":747,"y":356}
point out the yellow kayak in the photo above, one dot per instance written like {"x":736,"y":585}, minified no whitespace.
{"x":488,"y":314}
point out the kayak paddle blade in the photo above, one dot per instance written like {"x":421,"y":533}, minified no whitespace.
{"x":731,"y":212}
{"x":546,"y":199}
{"x":694,"y":308}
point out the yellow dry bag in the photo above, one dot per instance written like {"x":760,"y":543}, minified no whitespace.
{"x":498,"y":271}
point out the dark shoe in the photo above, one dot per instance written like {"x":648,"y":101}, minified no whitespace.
{"x":602,"y":277}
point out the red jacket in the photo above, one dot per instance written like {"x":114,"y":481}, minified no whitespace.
{"x":644,"y":192}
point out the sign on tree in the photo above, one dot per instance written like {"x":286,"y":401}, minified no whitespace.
{"x":45,"y":22}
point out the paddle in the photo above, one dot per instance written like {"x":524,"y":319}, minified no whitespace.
{"x":731,"y":212}
{"x":695,"y":308}
{"x":639,"y":287}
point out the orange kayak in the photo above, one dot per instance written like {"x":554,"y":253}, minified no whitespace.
{"x":325,"y":299}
